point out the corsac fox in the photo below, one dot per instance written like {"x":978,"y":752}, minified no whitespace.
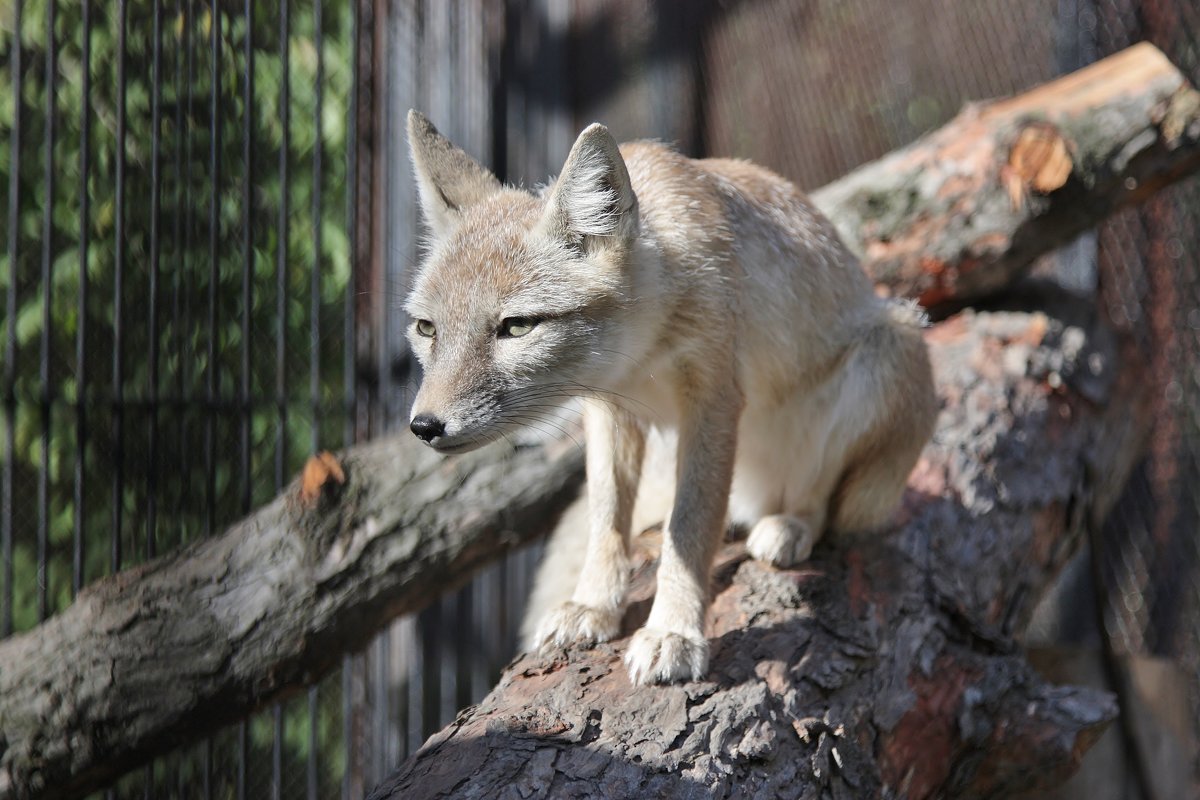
{"x":707,"y":299}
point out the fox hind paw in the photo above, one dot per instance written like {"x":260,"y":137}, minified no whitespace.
{"x":658,"y":656}
{"x":782,"y":540}
{"x":576,"y":622}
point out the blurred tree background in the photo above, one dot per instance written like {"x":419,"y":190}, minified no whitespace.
{"x":212,"y":330}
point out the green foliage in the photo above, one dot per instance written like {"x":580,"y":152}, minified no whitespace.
{"x":161,"y":453}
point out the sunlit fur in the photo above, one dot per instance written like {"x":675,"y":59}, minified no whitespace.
{"x":706,"y":303}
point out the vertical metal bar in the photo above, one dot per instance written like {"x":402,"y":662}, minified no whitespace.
{"x":347,"y":724}
{"x":207,"y":757}
{"x":184,"y":209}
{"x":85,"y":230}
{"x":314,"y":329}
{"x":311,"y":766}
{"x":277,"y":752}
{"x":314,"y":361}
{"x":155,"y":209}
{"x":10,"y":333}
{"x":178,"y":338}
{"x":247,"y":271}
{"x":247,"y":247}
{"x":350,"y":369}
{"x":43,"y":524}
{"x":380,"y":709}
{"x":243,"y":755}
{"x":214,"y":230}
{"x":448,"y":655}
{"x":118,"y":374}
{"x":281,"y":256}
{"x":416,"y":682}
{"x":466,"y":648}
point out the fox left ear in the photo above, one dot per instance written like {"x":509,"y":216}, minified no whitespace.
{"x":592,"y":198}
{"x":448,"y":180}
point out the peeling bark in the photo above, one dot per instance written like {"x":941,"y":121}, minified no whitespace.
{"x":165,"y":652}
{"x":885,"y":666}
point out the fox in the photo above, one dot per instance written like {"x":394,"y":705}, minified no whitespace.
{"x":703,"y":305}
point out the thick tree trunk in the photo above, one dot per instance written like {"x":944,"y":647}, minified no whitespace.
{"x":165,"y":652}
{"x":885,"y":665}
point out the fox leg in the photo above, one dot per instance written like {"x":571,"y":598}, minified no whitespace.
{"x":672,"y":645}
{"x":615,"y":446}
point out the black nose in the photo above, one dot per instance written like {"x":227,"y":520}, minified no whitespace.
{"x":427,"y":426}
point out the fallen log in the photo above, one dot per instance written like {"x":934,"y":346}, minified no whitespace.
{"x":885,"y":666}
{"x":165,"y":652}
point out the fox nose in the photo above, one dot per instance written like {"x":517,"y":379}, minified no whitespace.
{"x":427,"y":427}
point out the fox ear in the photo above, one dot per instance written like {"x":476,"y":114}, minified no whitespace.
{"x":592,"y":198}
{"x":448,"y":180}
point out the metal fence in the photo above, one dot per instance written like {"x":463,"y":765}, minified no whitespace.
{"x":210,"y":222}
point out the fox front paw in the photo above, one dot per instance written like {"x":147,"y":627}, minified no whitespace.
{"x":658,"y":656}
{"x":576,"y":622}
{"x":782,"y":540}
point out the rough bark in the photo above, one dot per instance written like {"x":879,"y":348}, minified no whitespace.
{"x":884,"y":666}
{"x":959,"y":213}
{"x":162,"y":653}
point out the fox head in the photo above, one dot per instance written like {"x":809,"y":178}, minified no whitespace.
{"x":521,"y":298}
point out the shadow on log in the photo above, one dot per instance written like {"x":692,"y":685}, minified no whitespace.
{"x":886,"y":664}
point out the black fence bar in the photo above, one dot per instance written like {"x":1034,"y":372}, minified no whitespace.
{"x":207,"y":758}
{"x":43,"y":523}
{"x":243,"y":756}
{"x":350,"y":360}
{"x":277,"y":752}
{"x":314,"y":327}
{"x":351,"y":428}
{"x":214,"y":267}
{"x":183,"y":125}
{"x":281,"y":254}
{"x":10,"y":332}
{"x":247,"y":247}
{"x":315,"y":334}
{"x":155,"y":225}
{"x":85,"y":232}
{"x":176,"y":341}
{"x":311,"y":786}
{"x":243,"y":753}
{"x":118,"y":372}
{"x":347,"y":725}
{"x":281,"y":410}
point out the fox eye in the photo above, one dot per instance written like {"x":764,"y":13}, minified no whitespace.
{"x":426,"y":327}
{"x":513,"y":327}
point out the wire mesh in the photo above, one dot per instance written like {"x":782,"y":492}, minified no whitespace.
{"x":164,"y":303}
{"x":208,"y":204}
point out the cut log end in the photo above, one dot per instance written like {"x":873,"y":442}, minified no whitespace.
{"x":323,"y":476}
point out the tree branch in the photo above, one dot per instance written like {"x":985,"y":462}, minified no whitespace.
{"x":960,"y":213}
{"x":159,"y":654}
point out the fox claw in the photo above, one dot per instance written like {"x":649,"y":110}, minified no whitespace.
{"x":658,"y":656}
{"x":575,"y":622}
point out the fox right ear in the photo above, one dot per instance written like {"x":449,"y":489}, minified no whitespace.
{"x":448,"y":180}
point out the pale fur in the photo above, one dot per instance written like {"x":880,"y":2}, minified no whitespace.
{"x":704,"y":299}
